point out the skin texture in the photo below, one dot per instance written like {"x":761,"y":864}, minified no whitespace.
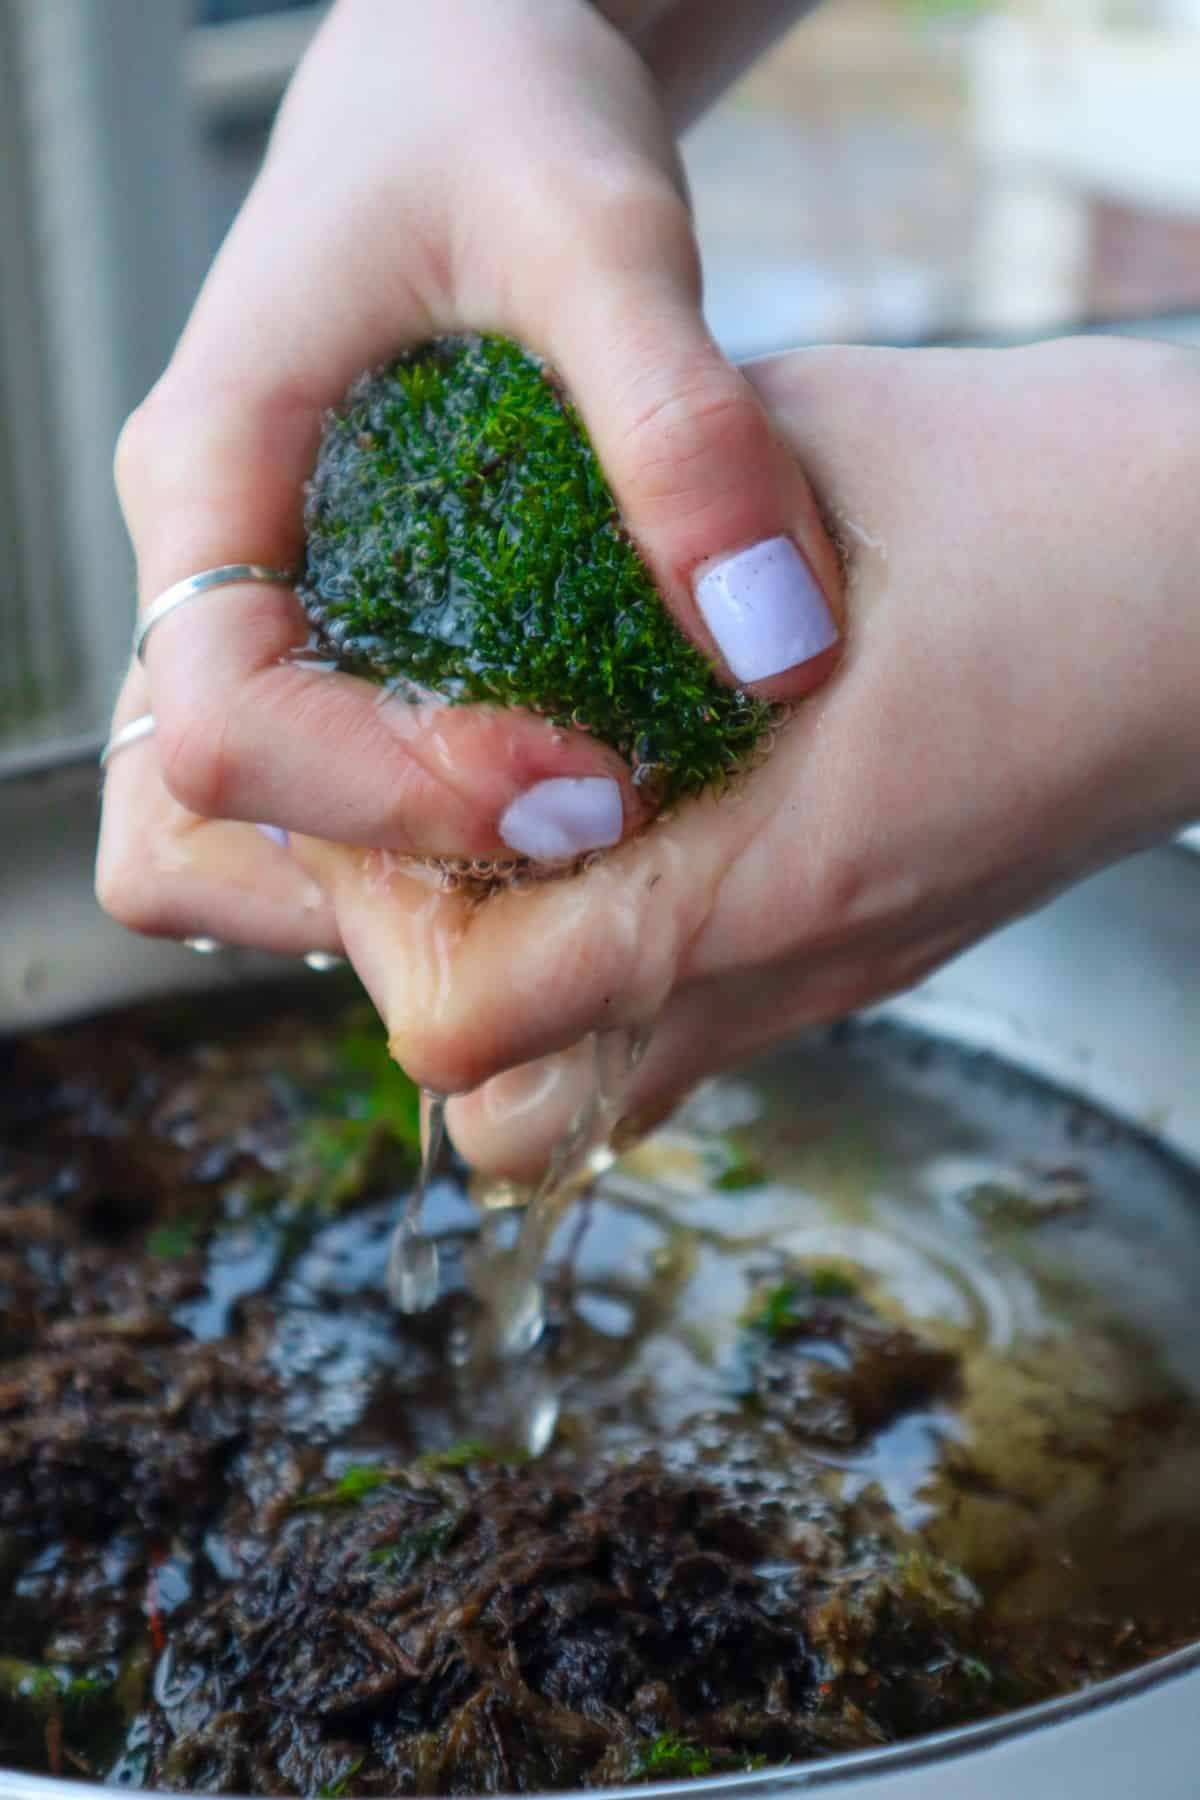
{"x":1017,"y":705}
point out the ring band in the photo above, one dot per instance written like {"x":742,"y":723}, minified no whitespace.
{"x":192,"y":585}
{"x":133,"y":733}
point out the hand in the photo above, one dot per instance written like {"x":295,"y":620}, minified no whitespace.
{"x":1019,"y":702}
{"x":485,"y":164}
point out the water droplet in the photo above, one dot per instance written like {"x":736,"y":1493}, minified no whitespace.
{"x":414,"y":1271}
{"x":541,"y":1419}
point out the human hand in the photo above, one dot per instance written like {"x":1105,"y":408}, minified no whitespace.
{"x":497,"y":165}
{"x":1017,"y":705}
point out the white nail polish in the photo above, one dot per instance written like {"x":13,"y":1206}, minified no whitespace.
{"x":276,"y":834}
{"x":564,"y":817}
{"x":765,"y":610}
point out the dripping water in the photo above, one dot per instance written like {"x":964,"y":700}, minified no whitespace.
{"x":414,"y":1265}
{"x":506,"y":1277}
{"x":508,"y":1281}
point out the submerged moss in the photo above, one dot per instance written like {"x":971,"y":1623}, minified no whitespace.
{"x":334,"y":1790}
{"x":741,"y":1169}
{"x":364,"y":1131}
{"x":465,"y":1454}
{"x":673,"y":1758}
{"x":51,"y":1714}
{"x":353,"y":1486}
{"x":417,"y":1546}
{"x":174,"y":1239}
{"x":785,"y":1308}
{"x":462,"y":538}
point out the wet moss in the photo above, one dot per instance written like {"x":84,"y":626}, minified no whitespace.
{"x":671,"y":1758}
{"x":354,"y":1485}
{"x":462,"y":538}
{"x":364,"y":1129}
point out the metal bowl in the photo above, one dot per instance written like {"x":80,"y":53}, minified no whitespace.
{"x":1098,"y":992}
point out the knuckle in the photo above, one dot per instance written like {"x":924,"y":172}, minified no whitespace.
{"x":447,"y":1055}
{"x":229,"y":440}
{"x":134,"y":456}
{"x":124,"y":893}
{"x":683,"y":442}
{"x":195,"y":764}
{"x":448,"y":1063}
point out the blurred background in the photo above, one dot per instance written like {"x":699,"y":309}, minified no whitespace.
{"x":903,"y":171}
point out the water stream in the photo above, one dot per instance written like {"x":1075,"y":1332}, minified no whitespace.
{"x":414,"y":1265}
{"x":507,"y":1277}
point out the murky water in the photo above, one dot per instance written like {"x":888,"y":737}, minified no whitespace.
{"x":1045,"y":1256}
{"x":1056,"y":1253}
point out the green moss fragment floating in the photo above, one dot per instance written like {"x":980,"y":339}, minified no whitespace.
{"x":462,"y":539}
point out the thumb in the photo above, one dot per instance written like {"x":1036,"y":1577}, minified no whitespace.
{"x":719,"y":508}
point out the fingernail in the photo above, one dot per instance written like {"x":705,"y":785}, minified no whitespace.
{"x":564,"y":817}
{"x":765,"y":610}
{"x":276,"y":833}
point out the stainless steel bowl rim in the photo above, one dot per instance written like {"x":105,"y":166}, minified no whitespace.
{"x":862,"y":1765}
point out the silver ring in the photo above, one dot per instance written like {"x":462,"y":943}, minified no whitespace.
{"x":133,"y":733}
{"x":192,"y":585}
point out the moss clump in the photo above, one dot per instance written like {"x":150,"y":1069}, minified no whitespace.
{"x":462,"y":539}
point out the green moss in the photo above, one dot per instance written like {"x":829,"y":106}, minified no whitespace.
{"x":174,"y":1240}
{"x":936,"y":1586}
{"x":669,"y":1758}
{"x":45,"y":1682}
{"x":353,"y":1486}
{"x":828,"y":1283}
{"x":418,"y":1546}
{"x":775,"y":1313}
{"x":370,"y":1086}
{"x":38,"y":1698}
{"x":462,"y":539}
{"x":740,"y":1171}
{"x":465,"y":1454}
{"x":784,"y":1308}
{"x":334,"y":1790}
{"x":364,"y":1131}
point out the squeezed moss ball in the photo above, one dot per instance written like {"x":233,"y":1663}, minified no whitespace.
{"x":462,"y":538}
